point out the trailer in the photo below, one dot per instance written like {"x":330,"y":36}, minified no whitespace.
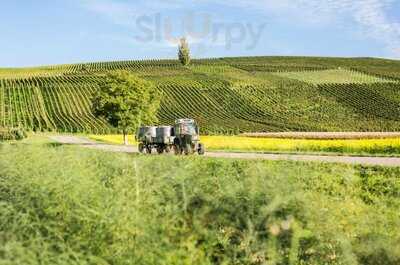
{"x":145,"y":137}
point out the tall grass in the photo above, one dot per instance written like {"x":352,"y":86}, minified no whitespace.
{"x":65,"y":205}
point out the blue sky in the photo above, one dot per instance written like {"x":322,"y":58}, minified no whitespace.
{"x":45,"y":32}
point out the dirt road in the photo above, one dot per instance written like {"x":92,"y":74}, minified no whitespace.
{"x":84,"y":142}
{"x":374,"y":161}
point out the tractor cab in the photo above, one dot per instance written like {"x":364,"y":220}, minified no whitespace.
{"x":187,"y":137}
{"x":186,"y":127}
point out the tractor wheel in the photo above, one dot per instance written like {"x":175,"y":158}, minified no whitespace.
{"x":148,"y":150}
{"x":167,"y":149}
{"x":188,"y":149}
{"x":201,"y":150}
{"x":178,"y":150}
{"x":141,"y":148}
{"x":160,"y":150}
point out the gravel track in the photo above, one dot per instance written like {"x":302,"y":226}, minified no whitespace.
{"x":354,"y":160}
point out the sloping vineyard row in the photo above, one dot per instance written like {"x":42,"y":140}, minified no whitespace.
{"x":185,"y":101}
{"x":383,"y":67}
{"x":49,"y":104}
{"x":243,"y":108}
{"x":367,"y":100}
{"x":308,"y":108}
{"x":385,"y":73}
{"x":225,"y":95}
{"x":2,"y":104}
{"x":340,"y":76}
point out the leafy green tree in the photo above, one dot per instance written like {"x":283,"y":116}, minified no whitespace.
{"x":126,"y":102}
{"x":184,"y":52}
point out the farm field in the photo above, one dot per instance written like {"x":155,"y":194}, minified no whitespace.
{"x":192,"y":210}
{"x":390,"y":146}
{"x":225,"y":95}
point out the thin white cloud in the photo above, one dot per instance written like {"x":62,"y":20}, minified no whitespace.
{"x":119,"y":12}
{"x":124,"y":12}
{"x":370,"y":15}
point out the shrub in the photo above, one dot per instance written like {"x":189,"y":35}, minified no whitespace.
{"x":11,"y":134}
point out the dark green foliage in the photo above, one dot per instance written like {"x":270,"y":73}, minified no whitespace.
{"x":375,"y":101}
{"x":380,"y":185}
{"x":7,"y":134}
{"x":126,"y":101}
{"x":101,"y":208}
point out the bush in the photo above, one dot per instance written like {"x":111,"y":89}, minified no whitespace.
{"x":12,"y":134}
{"x":66,"y":205}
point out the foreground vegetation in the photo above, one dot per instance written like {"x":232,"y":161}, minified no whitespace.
{"x":226,"y":95}
{"x":390,"y":146}
{"x":104,"y":208}
{"x":12,"y":134}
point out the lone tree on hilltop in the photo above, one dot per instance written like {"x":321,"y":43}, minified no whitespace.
{"x":126,"y":102}
{"x":184,"y":52}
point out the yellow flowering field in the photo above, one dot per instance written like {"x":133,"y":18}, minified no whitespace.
{"x":233,"y":143}
{"x":238,"y":143}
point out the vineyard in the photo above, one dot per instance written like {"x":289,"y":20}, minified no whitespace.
{"x":226,"y":95}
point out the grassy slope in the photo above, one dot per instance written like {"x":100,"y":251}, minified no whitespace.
{"x":225,"y":95}
{"x":338,"y":76}
{"x":103,"y":208}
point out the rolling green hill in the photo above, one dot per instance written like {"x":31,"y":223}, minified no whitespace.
{"x":226,"y":95}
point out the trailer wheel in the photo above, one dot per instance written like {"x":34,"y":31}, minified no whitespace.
{"x":187,"y":149}
{"x":141,"y":148}
{"x":202,"y":149}
{"x":160,"y":150}
{"x":177,"y":150}
{"x":148,"y":150}
{"x":167,"y":149}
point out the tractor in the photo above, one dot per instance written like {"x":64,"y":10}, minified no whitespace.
{"x":183,"y":138}
{"x":187,"y":137}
